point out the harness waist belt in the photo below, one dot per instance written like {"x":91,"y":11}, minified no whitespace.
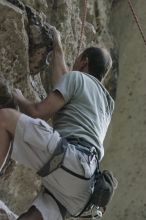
{"x":57,"y":158}
{"x":82,"y":145}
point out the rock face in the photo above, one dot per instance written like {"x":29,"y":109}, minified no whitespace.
{"x":126,"y":153}
{"x":5,"y":213}
{"x":25,"y":40}
{"x":14,"y":57}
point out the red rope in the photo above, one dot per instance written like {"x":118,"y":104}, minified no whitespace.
{"x":82,"y":27}
{"x":137,"y":21}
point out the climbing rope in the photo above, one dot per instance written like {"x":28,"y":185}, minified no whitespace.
{"x":82,"y":27}
{"x":137,"y":20}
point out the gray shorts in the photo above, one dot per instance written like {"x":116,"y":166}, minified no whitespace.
{"x":34,"y":144}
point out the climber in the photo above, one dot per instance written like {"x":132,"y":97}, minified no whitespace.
{"x":81,"y":109}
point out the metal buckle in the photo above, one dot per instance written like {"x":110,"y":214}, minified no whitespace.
{"x":94,"y":213}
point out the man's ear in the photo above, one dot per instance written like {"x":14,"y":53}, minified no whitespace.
{"x":84,"y":63}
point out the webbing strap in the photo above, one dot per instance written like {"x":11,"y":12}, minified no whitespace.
{"x":85,"y":146}
{"x":58,"y":156}
{"x":60,"y":150}
{"x":56,"y":159}
{"x":75,"y":174}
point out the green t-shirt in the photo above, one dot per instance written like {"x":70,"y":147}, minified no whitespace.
{"x":87,"y":110}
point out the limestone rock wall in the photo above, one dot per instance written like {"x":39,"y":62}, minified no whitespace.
{"x":14,"y":67}
{"x":13,"y":46}
{"x":126,"y":151}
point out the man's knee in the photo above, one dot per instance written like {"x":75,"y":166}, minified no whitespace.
{"x":8,"y":119}
{"x":5,"y":114}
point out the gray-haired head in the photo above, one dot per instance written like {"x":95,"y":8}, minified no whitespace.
{"x":99,"y":61}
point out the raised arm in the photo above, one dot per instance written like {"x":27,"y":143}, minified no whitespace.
{"x":54,"y":101}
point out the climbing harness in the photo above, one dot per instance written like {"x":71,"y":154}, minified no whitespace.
{"x":137,"y":20}
{"x":56,"y":160}
{"x":104,"y":183}
{"x":82,"y":27}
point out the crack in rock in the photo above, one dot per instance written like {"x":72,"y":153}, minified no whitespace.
{"x":40,"y":37}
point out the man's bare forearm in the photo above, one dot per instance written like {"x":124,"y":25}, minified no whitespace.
{"x":58,"y":63}
{"x":44,"y":109}
{"x":59,"y":67}
{"x":27,"y":107}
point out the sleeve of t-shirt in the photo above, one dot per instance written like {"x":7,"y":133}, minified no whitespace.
{"x":110,"y":104}
{"x":67,"y":85}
